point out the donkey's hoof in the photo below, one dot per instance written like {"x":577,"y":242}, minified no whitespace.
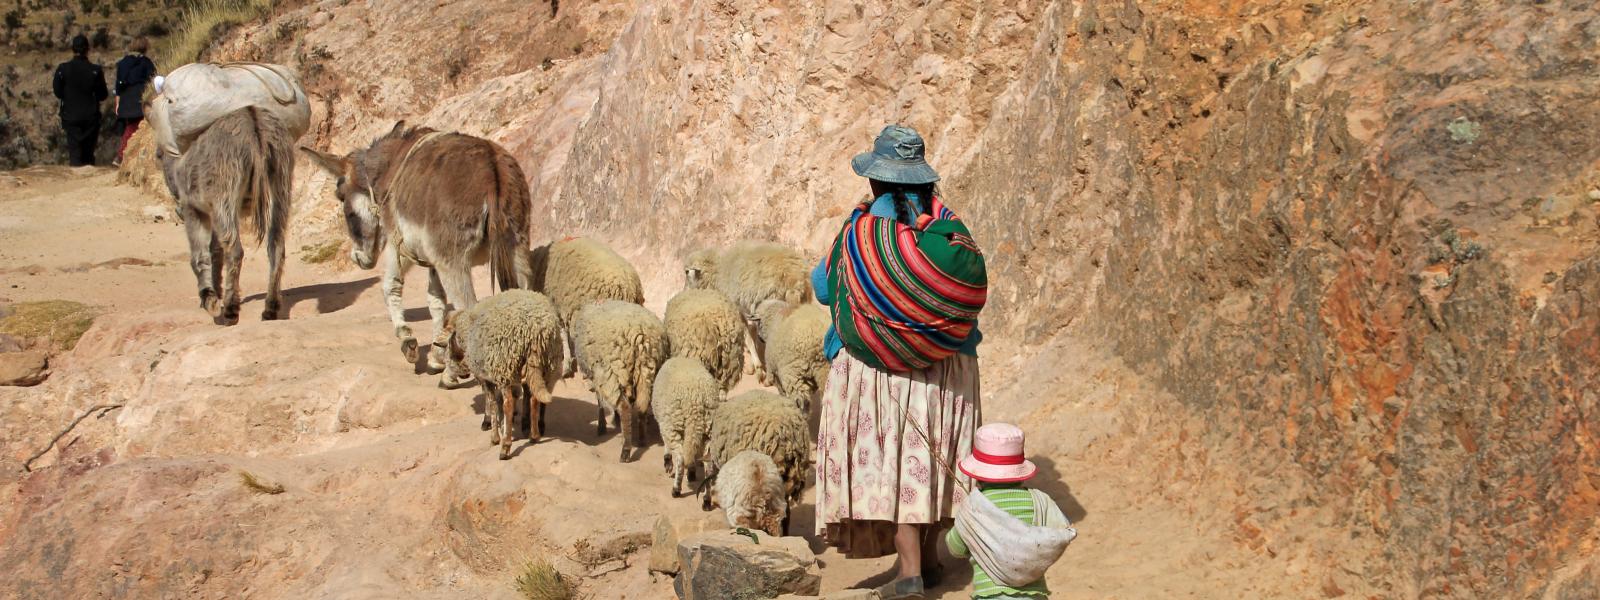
{"x":485,"y":425}
{"x":408,"y":347}
{"x":505,"y":455}
{"x":627,"y":455}
{"x":676,"y":493}
{"x":273,"y":311}
{"x":451,"y":382}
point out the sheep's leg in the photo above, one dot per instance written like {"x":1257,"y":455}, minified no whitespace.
{"x":536,"y":415}
{"x":438,"y":310}
{"x":525,"y":411}
{"x":678,"y":470}
{"x":707,"y":486}
{"x":600,"y":420}
{"x":508,"y":418}
{"x":200,"y":242}
{"x":759,"y":348}
{"x":569,"y":362}
{"x":491,"y":411}
{"x":629,"y":429}
{"x":394,"y":282}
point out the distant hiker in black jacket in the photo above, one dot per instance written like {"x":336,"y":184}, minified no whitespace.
{"x":134,"y":71}
{"x":81,"y":87}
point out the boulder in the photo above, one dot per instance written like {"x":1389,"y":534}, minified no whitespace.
{"x":733,"y":565}
{"x":664,"y":539}
{"x":23,"y":368}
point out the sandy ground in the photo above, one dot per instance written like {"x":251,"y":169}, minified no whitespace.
{"x":392,"y":488}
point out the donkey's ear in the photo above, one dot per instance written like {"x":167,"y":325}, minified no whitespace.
{"x":399,"y":127}
{"x":332,"y":163}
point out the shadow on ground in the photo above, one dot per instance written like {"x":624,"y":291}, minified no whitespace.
{"x":330,"y":297}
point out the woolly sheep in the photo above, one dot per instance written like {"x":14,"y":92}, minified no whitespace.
{"x":579,"y":271}
{"x":619,"y":346}
{"x":793,"y":335}
{"x":704,"y":325}
{"x":682,"y":399}
{"x":765,"y":422}
{"x":750,"y":492}
{"x":512,"y":343}
{"x":747,"y":273}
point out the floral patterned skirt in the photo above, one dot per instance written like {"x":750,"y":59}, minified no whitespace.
{"x":880,"y":441}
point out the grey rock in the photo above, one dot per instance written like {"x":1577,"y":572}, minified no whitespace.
{"x":23,"y":368}
{"x":725,"y":565}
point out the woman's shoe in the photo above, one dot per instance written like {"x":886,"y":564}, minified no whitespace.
{"x":909,"y":588}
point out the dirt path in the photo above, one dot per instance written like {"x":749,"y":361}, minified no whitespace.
{"x":392,"y":490}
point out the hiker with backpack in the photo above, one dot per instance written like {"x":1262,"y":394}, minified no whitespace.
{"x":904,"y":282}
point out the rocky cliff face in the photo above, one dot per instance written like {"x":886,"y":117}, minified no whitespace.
{"x":1355,"y":240}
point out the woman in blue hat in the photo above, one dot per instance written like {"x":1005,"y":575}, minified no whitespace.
{"x":887,"y":432}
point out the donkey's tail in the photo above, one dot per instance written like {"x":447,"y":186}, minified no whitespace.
{"x":271,"y":174}
{"x":509,"y":258}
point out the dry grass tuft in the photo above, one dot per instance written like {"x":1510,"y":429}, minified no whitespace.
{"x":259,"y":486}
{"x":58,"y":322}
{"x":319,"y":253}
{"x":539,"y":580}
{"x":202,"y":23}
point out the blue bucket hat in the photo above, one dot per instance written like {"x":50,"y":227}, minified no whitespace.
{"x":896,"y":157}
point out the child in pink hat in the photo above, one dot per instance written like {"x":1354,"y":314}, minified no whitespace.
{"x":998,"y":465}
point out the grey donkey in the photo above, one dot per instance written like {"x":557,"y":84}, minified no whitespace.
{"x":237,"y":173}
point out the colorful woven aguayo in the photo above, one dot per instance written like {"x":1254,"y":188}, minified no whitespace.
{"x":905,"y":297}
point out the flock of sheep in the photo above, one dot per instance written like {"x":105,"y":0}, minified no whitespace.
{"x":753,"y":449}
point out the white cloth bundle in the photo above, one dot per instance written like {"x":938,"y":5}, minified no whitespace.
{"x":1013,"y":553}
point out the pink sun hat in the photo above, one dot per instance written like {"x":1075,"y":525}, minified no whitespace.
{"x":997,"y":455}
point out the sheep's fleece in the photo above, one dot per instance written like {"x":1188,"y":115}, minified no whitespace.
{"x":510,"y":337}
{"x":683,"y":397}
{"x":749,"y":272}
{"x":619,"y":346}
{"x":704,"y":325}
{"x":794,"y":338}
{"x":580,"y":271}
{"x":768,"y":423}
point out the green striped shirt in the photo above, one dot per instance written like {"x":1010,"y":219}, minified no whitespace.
{"x":1018,"y":501}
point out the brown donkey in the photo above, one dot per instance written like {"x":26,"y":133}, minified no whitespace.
{"x":238,"y":172}
{"x":446,"y":201}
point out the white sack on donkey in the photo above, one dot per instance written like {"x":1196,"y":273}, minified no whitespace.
{"x":192,"y":97}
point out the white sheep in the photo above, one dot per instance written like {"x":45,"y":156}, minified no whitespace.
{"x":750,"y":492}
{"x":682,"y":399}
{"x":619,"y":346}
{"x":793,"y":336}
{"x":511,"y":342}
{"x":747,"y":273}
{"x":576,"y":272}
{"x":704,"y":325}
{"x":767,"y":423}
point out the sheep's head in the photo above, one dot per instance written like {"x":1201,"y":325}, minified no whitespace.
{"x":697,"y":269}
{"x":768,"y":314}
{"x":455,"y":354}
